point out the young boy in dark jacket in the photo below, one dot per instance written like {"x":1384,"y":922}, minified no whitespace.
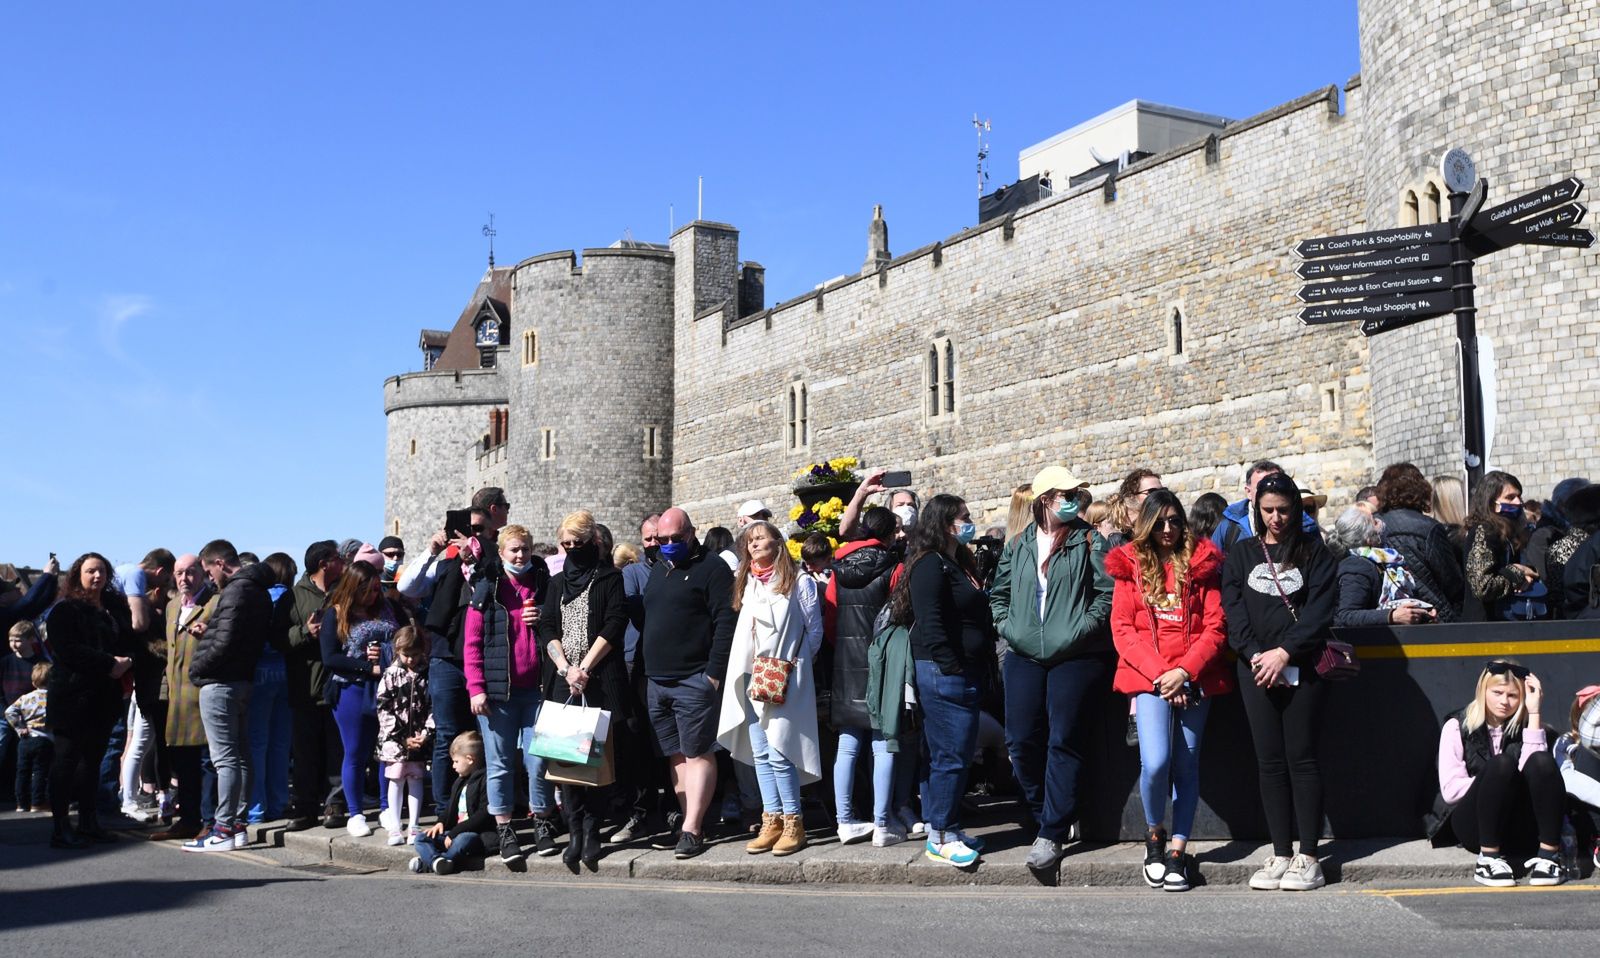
{"x":465,"y":827}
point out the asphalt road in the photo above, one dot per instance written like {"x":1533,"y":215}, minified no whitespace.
{"x":144,"y":899}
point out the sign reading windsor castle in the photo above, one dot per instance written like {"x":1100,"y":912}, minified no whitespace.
{"x":1144,"y":315}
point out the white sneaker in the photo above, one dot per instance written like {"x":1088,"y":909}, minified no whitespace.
{"x":1304,"y":874}
{"x":357,"y":826}
{"x":883,"y":837}
{"x":414,"y":866}
{"x":412,"y":835}
{"x":1544,"y":871}
{"x":212,"y":841}
{"x":1269,"y":876}
{"x":136,"y":812}
{"x":241,"y":837}
{"x":397,"y":837}
{"x":1494,"y":871}
{"x":390,"y":819}
{"x":852,"y":832}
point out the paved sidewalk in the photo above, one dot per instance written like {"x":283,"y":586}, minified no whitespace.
{"x":827,"y":861}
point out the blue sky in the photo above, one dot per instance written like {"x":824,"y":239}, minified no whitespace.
{"x":222,"y":225}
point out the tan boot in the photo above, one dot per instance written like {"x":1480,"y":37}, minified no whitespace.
{"x":794,"y":836}
{"x":771,"y":831}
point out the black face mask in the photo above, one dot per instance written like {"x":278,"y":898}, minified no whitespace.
{"x":583,"y":556}
{"x":651,"y":553}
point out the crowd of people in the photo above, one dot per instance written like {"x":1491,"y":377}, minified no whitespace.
{"x":213,"y":690}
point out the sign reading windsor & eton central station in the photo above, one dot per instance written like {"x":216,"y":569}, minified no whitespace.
{"x":1389,"y":279}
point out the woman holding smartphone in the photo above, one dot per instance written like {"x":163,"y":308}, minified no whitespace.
{"x":1279,"y":593}
{"x":1495,"y":536}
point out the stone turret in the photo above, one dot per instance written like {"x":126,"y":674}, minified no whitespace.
{"x":877,"y":242}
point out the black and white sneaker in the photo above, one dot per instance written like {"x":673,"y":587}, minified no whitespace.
{"x":689,"y":845}
{"x":1544,"y":871}
{"x":510,"y":849}
{"x":1155,"y":864}
{"x":635,"y":827}
{"x":544,"y":837}
{"x":668,"y":840}
{"x":1177,"y":876}
{"x":1495,"y":872}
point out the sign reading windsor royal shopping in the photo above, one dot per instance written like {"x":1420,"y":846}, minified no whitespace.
{"x":1389,"y":279}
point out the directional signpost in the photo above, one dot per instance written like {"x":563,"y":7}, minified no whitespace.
{"x":1389,"y":279}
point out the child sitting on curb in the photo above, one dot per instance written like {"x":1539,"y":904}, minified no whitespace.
{"x":465,"y":828}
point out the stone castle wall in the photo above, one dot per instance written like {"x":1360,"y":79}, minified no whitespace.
{"x":1059,"y":321}
{"x":444,"y":414}
{"x":1513,"y":85}
{"x":603,"y":376}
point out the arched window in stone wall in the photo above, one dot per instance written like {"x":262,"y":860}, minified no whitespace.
{"x":1433,"y":208}
{"x":797,"y":428}
{"x":1410,"y":209}
{"x":940,"y":379}
{"x":1175,"y":332}
{"x":530,"y":347}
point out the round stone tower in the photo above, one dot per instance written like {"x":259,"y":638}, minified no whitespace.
{"x":1513,"y":85}
{"x":591,"y":386}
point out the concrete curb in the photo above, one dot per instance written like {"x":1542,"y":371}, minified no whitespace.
{"x":828,"y":862}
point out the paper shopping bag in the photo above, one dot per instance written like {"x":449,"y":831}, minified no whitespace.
{"x":565,"y":732}
{"x":600,"y":770}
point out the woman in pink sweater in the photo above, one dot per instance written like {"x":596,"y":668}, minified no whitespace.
{"x":1498,"y":780}
{"x":501,"y":654}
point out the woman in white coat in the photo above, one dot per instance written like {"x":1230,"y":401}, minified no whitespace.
{"x":779,"y":616}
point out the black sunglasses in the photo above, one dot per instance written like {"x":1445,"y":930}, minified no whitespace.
{"x":1499,"y":667}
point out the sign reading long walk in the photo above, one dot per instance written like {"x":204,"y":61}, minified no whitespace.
{"x":1527,"y":204}
{"x":1378,"y":284}
{"x":1523,"y":231}
{"x":1418,"y":305}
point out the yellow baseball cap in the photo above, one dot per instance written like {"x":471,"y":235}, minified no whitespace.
{"x":1055,"y":477}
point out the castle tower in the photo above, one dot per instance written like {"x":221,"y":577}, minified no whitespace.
{"x":1516,"y":91}
{"x":590,"y":387}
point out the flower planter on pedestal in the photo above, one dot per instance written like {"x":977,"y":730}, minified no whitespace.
{"x":809,"y":496}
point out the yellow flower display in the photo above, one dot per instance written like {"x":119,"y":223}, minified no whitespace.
{"x":794,"y":549}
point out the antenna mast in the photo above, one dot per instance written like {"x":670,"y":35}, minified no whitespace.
{"x":982,"y":127}
{"x":491,"y":232}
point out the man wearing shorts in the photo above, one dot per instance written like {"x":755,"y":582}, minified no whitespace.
{"x":688,"y":631}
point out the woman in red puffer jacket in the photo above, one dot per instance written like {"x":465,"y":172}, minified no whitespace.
{"x":1166,"y":621}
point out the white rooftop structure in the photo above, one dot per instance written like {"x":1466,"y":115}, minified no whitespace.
{"x":1137,"y":126}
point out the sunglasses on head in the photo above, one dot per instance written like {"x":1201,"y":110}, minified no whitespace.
{"x":1498,"y":667}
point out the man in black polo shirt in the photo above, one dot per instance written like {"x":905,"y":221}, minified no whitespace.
{"x":688,"y":631}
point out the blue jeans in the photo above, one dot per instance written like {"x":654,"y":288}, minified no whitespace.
{"x":465,"y":845}
{"x":1045,"y":729}
{"x":269,"y":742}
{"x":949,"y":705}
{"x":225,"y":713}
{"x":452,"y":715}
{"x":891,"y":775}
{"x":111,"y":763}
{"x":506,"y":730}
{"x":1168,"y":765}
{"x":8,"y":754}
{"x":775,"y":775}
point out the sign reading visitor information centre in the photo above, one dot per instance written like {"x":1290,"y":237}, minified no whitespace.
{"x":1389,"y":279}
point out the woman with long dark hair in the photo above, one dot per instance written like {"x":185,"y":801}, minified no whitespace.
{"x":581,"y":625}
{"x":1166,"y":620}
{"x":357,"y":638}
{"x":1051,"y":604}
{"x":952,"y":646}
{"x":1495,"y":536}
{"x":1279,"y":590}
{"x":89,"y":634}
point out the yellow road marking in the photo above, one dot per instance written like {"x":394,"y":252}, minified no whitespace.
{"x":1465,"y":649}
{"x":1473,"y":890}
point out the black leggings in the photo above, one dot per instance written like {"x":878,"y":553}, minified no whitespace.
{"x":1503,"y":800}
{"x":75,"y":773}
{"x":1285,"y":723}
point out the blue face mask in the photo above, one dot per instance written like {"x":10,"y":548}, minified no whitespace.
{"x":1510,"y":509}
{"x":515,"y":569}
{"x":1067,"y":509}
{"x":674,"y":552}
{"x":391,"y":567}
{"x":965,"y":531}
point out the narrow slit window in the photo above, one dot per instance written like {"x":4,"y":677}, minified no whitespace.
{"x":547,"y":444}
{"x":652,"y":442}
{"x":1175,"y":331}
{"x":949,"y":377}
{"x":933,"y":381}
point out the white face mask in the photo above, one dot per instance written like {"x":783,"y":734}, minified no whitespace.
{"x":907,"y":514}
